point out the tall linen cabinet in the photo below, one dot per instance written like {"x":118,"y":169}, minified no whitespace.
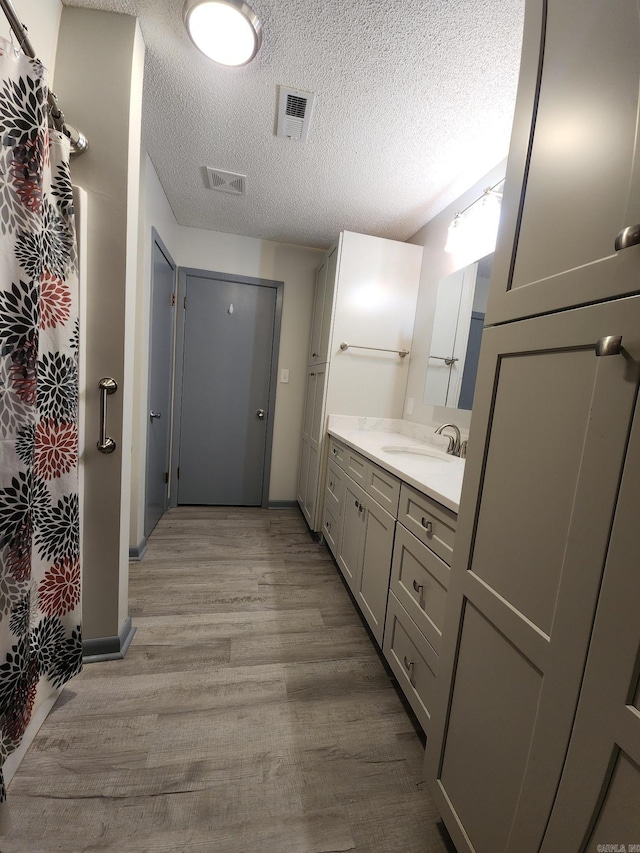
{"x":535,"y":739}
{"x":365,"y":296}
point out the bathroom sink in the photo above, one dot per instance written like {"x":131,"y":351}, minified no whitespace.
{"x":434,"y":453}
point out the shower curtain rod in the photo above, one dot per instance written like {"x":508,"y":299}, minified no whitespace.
{"x":79,"y":142}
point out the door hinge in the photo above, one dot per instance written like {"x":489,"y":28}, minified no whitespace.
{"x":173,"y":299}
{"x":166,"y":477}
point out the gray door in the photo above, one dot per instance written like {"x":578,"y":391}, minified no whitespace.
{"x":160,"y":370}
{"x":228,"y":354}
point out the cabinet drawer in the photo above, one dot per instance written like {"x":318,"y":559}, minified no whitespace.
{"x":432,"y":523}
{"x":331,"y":530}
{"x":337,"y":452}
{"x":356,"y":466}
{"x":383,"y":488}
{"x":412,"y":660}
{"x":419,"y":579}
{"x":334,"y":490}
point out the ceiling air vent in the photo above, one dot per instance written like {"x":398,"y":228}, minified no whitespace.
{"x":226,"y":182}
{"x":294,"y":113}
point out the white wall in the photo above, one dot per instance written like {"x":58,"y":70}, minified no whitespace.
{"x":228,"y":253}
{"x":436,"y":264}
{"x":99,"y":81}
{"x":42,"y":19}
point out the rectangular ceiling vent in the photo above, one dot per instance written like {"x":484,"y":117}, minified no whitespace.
{"x":294,"y":113}
{"x":226,"y":182}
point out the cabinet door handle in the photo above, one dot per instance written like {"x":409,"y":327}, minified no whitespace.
{"x":418,"y":586}
{"x":327,"y":524}
{"x":331,"y":485}
{"x":609,"y":345}
{"x":312,"y":374}
{"x":428,"y":526}
{"x":334,"y":450}
{"x":314,"y":355}
{"x":409,"y":665}
{"x":360,"y":508}
{"x":629,"y":236}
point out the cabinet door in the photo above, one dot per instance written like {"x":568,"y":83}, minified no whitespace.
{"x":318,"y":404}
{"x":327,"y":311}
{"x":573,"y":177}
{"x":315,"y":350}
{"x":603,"y":805}
{"x":372,"y":580}
{"x":309,"y":403}
{"x":551,"y":426}
{"x":303,"y":475}
{"x":311,"y":494}
{"x":350,"y":554}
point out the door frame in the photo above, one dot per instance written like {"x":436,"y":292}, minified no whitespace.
{"x":156,"y":240}
{"x":278,"y":286}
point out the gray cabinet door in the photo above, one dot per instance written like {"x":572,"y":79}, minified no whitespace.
{"x":372,"y":581}
{"x":350,"y":554}
{"x":598,"y":800}
{"x":573,"y":177}
{"x":551,"y":426}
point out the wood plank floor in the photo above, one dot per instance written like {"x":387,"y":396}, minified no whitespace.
{"x":252,"y":714}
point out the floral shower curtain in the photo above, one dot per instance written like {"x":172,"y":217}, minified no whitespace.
{"x":40,"y":639}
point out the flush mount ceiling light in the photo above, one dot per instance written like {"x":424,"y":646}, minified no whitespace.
{"x":227,"y":31}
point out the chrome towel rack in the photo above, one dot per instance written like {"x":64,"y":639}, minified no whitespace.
{"x":401,"y":352}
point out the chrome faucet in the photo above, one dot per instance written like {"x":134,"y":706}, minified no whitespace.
{"x":454,"y":441}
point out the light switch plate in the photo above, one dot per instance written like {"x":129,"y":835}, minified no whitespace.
{"x":284,"y":374}
{"x":409,"y":408}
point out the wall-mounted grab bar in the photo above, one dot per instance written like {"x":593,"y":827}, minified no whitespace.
{"x":107,"y":386}
{"x":401,"y":352}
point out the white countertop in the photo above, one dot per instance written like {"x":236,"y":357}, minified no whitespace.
{"x":439,"y":478}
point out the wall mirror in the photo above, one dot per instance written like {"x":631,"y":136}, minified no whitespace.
{"x":457,"y":331}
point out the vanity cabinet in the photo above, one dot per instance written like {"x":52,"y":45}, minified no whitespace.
{"x":535,"y":735}
{"x":367,"y":529}
{"x":398,"y":582}
{"x":365,"y":295}
{"x":417,"y":597}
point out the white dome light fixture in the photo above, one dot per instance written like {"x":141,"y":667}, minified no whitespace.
{"x":226,"y":31}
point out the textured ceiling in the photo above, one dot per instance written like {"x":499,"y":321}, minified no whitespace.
{"x":414,"y":103}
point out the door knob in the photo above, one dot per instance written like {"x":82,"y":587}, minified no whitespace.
{"x":260,"y":413}
{"x":153,"y":415}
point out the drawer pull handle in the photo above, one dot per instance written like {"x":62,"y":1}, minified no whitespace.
{"x":609,"y":345}
{"x":327,"y":524}
{"x":360,"y":508}
{"x":334,"y":450}
{"x":357,"y":504}
{"x":331,"y":485}
{"x":409,"y":665}
{"x":418,"y":586}
{"x":428,"y":526}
